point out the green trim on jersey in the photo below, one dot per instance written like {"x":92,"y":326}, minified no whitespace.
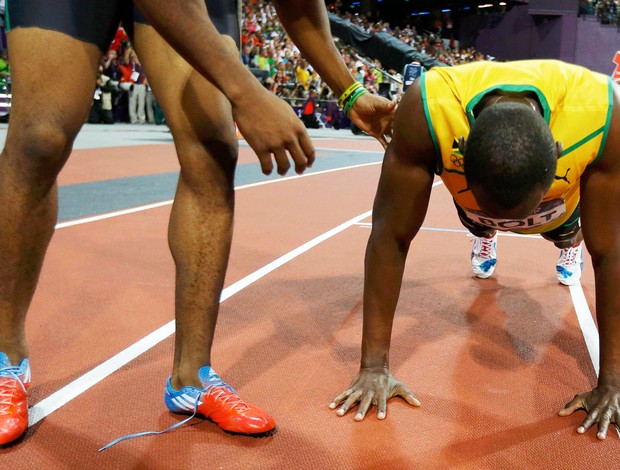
{"x":510,"y":89}
{"x":7,"y":22}
{"x":427,"y":114}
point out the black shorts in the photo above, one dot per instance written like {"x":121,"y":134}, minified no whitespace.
{"x":96,"y":21}
{"x":225,"y":15}
{"x":564,"y":232}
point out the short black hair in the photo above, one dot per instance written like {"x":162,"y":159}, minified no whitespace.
{"x":510,"y":152}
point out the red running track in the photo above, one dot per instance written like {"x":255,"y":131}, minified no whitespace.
{"x":491,"y":360}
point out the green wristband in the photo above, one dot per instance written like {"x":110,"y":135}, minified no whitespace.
{"x":359,"y":92}
{"x":348,"y":92}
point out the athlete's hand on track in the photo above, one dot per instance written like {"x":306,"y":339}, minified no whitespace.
{"x":271,"y":127}
{"x":602,"y":406}
{"x":374,"y":115}
{"x":372,"y":386}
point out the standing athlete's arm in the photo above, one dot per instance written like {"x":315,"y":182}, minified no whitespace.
{"x":600,"y":217}
{"x":269,"y":125}
{"x":307,"y":23}
{"x":399,"y":209}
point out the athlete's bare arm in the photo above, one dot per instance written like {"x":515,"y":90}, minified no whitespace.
{"x":600,"y":218}
{"x":399,"y":209}
{"x":307,"y":23}
{"x":268,"y":124}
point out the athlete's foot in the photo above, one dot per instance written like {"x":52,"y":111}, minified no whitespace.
{"x":14,"y":382}
{"x":570,"y":265}
{"x":219,"y":402}
{"x":484,"y":256}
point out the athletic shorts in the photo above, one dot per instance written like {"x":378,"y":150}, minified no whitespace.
{"x":225,"y":15}
{"x":564,"y":232}
{"x":96,"y":21}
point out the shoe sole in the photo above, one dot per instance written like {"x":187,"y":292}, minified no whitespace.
{"x":14,"y":442}
{"x":483,"y":276}
{"x":256,"y":435}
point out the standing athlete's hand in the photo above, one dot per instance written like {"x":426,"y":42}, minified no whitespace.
{"x":602,"y":406}
{"x":372,"y":386}
{"x":271,"y":128}
{"x":374,"y":115}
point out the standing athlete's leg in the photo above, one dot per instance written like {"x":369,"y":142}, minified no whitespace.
{"x":45,"y":118}
{"x":200,"y":230}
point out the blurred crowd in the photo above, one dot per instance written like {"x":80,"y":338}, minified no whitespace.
{"x":123,"y":93}
{"x":607,"y":11}
{"x":267,"y":47}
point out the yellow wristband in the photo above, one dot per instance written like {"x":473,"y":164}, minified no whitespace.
{"x":347,"y":93}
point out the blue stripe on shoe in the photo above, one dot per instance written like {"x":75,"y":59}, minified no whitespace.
{"x":487,"y":265}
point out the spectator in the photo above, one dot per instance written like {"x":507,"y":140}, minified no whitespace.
{"x":308,"y":116}
{"x":5,"y":69}
{"x":137,"y":88}
{"x":151,"y":105}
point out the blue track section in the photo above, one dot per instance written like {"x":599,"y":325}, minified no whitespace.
{"x":87,"y":199}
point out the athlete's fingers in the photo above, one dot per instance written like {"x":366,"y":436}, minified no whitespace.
{"x":589,"y":421}
{"x":603,"y":425}
{"x":340,"y":398}
{"x":282,"y":161}
{"x":382,"y":405}
{"x":307,"y":147}
{"x":408,"y":395}
{"x":266,"y":165}
{"x":572,"y":406}
{"x":364,"y":405}
{"x":298,"y":156}
{"x":352,"y":400}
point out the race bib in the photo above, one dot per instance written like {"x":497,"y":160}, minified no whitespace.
{"x":544,"y":213}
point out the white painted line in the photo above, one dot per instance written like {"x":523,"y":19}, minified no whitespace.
{"x":588,"y":329}
{"x":306,"y":175}
{"x":67,"y":393}
{"x":586,"y":322}
{"x":132,"y":210}
{"x":511,"y":234}
{"x":110,"y":215}
{"x":327,"y":149}
{"x":456,"y":230}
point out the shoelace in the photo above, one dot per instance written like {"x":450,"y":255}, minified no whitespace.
{"x":223,"y":394}
{"x":486,"y":245}
{"x":568,"y":256}
{"x":233,"y":400}
{"x":151,"y":433}
{"x":8,"y":376}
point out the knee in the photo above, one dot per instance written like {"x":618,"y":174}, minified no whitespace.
{"x":38,"y":150}
{"x":208,"y":168}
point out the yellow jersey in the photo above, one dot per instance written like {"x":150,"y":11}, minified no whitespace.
{"x":575,"y":102}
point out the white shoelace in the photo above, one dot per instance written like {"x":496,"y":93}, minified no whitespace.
{"x":8,"y":375}
{"x":569,"y":256}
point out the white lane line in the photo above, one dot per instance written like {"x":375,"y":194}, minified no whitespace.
{"x":586,"y":322}
{"x":327,"y":149}
{"x":133,"y":210}
{"x":67,"y":393}
{"x":110,"y":215}
{"x":588,"y":329}
{"x":456,"y":230}
{"x":584,"y":315}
